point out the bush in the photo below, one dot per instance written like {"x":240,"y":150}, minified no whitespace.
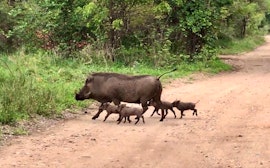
{"x":132,"y":56}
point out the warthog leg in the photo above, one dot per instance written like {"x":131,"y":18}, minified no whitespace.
{"x":143,"y":119}
{"x":97,"y":114}
{"x":121,"y":118}
{"x":144,"y":106}
{"x":173,"y":113}
{"x":195,"y":112}
{"x":155,"y":110}
{"x":138,"y":119}
{"x":162,"y":115}
{"x":106,"y":116}
{"x":182,"y":114}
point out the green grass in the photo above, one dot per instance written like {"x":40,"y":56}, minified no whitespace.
{"x":238,"y":46}
{"x":43,"y":84}
{"x":36,"y":84}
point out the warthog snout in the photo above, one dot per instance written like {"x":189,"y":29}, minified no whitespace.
{"x":78,"y":97}
{"x":83,"y":94}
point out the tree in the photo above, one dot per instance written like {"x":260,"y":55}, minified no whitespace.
{"x":119,"y":27}
{"x":244,"y":18}
{"x":193,"y":24}
{"x":6,"y":24}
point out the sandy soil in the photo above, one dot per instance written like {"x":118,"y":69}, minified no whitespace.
{"x":232,"y":128}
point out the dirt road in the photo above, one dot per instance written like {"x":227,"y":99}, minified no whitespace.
{"x":232,"y":128}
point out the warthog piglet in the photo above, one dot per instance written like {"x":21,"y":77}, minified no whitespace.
{"x":182,"y":106}
{"x":129,"y":111}
{"x":164,"y":105}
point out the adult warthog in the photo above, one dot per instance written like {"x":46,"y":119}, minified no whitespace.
{"x":117,"y":88}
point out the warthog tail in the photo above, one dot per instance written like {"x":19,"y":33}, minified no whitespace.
{"x":166,"y":73}
{"x":197,"y":102}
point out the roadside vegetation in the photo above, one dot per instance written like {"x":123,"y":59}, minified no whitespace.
{"x":47,"y":48}
{"x":43,"y":84}
{"x":238,"y":46}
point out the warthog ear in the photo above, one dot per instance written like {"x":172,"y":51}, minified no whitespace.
{"x":121,"y":106}
{"x":176,"y":102}
{"x":89,"y":79}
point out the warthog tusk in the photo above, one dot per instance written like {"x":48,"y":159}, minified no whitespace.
{"x":87,"y":94}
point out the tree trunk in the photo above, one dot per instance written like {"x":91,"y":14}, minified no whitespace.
{"x":111,"y":33}
{"x":244,"y":26}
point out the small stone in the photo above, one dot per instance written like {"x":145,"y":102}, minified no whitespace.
{"x":70,"y":141}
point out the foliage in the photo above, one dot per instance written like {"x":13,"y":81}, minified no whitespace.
{"x":157,"y":29}
{"x":192,"y":24}
{"x":244,"y":18}
{"x":6,"y":42}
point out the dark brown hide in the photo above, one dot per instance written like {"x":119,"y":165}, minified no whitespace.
{"x":117,"y":88}
{"x":182,"y":106}
{"x":164,"y":106}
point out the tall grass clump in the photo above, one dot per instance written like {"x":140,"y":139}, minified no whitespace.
{"x":35,"y":85}
{"x":21,"y":96}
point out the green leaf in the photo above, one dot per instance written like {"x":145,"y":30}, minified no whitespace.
{"x":117,"y":24}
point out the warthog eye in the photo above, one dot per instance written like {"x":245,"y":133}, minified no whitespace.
{"x":89,"y":79}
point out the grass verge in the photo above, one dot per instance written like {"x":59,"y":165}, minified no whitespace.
{"x":238,"y":46}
